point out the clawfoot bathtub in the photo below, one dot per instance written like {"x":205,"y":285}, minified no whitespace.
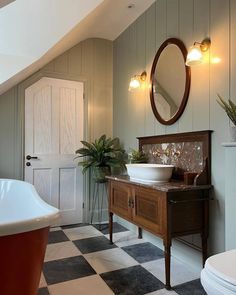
{"x":24,"y":225}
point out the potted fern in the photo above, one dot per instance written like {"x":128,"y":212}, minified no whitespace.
{"x":101,"y":156}
{"x":136,"y":156}
{"x":230,"y":109}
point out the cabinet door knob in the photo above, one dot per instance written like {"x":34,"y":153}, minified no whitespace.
{"x":131,"y":203}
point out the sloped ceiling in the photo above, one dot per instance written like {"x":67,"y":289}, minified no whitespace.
{"x":36,"y":31}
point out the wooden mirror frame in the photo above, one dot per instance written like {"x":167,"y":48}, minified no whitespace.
{"x":184,"y":100}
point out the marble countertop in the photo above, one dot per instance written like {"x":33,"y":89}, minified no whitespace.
{"x":172,"y":186}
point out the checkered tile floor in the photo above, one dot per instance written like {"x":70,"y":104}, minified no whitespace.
{"x":80,"y":261}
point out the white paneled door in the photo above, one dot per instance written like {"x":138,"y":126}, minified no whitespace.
{"x":53,"y":131}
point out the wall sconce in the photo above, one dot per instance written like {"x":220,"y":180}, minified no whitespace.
{"x":137,"y":80}
{"x":195,"y":53}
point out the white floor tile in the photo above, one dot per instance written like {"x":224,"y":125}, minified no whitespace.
{"x":126,"y":238}
{"x":61,"y":250}
{"x":162,"y":292}
{"x":55,"y":228}
{"x":42,"y":282}
{"x":84,"y":232}
{"x":180,"y":273}
{"x":84,"y":286}
{"x":109,"y":260}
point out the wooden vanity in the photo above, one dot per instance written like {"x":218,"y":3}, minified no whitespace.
{"x":168,"y":210}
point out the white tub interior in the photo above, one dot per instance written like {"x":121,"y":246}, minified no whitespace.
{"x":21,"y":208}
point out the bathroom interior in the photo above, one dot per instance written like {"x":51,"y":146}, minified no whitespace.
{"x":96,"y":73}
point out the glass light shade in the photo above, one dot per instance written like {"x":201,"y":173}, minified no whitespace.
{"x":134,"y":83}
{"x":194,"y":56}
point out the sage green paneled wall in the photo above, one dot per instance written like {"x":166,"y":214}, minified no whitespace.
{"x":91,"y":62}
{"x":8,"y":134}
{"x":134,"y":50}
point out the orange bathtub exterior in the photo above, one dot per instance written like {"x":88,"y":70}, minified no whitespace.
{"x":21,"y":261}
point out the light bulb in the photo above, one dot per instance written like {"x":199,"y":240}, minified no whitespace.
{"x":194,"y":56}
{"x":134,"y":83}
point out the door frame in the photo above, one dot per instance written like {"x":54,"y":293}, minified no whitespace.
{"x":20,"y":123}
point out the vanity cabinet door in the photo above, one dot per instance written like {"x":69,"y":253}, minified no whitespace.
{"x":120,"y":199}
{"x":148,"y":209}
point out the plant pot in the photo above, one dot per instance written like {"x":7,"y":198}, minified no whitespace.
{"x":232,"y":132}
{"x":100,"y":173}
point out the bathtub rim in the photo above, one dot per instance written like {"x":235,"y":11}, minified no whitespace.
{"x":32,"y":223}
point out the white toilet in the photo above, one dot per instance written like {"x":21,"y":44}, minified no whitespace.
{"x":219,"y":274}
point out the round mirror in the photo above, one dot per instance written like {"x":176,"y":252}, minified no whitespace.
{"x":170,"y":81}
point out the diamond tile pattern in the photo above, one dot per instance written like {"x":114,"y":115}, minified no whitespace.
{"x":144,"y":252}
{"x":81,"y":260}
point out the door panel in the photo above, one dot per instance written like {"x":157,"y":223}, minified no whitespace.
{"x":53,"y":131}
{"x":67,"y":120}
{"x":42,"y":111}
{"x":67,"y":189}
{"x":42,"y":179}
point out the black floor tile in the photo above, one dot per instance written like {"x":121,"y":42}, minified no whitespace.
{"x":74,"y":225}
{"x":57,"y":237}
{"x":133,"y":280}
{"x":104,"y":228}
{"x":190,"y":288}
{"x":66,"y":269}
{"x":144,"y":252}
{"x":93,"y":244}
{"x":43,"y":291}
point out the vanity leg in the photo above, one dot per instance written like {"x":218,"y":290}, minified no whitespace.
{"x":140,"y":233}
{"x":205,"y":231}
{"x":167,"y":246}
{"x":110,"y":226}
{"x":204,"y":249}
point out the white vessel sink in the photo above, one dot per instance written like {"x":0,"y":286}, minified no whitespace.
{"x":150,"y":173}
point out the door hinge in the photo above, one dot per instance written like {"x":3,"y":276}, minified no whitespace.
{"x":83,"y":205}
{"x":83,"y":95}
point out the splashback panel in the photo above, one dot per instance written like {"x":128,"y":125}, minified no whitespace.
{"x":188,"y":152}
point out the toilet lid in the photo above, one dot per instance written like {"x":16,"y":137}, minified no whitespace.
{"x":223,"y":266}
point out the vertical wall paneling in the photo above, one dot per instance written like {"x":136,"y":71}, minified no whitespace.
{"x":133,"y":96}
{"x":61,"y":63}
{"x":186,"y":19}
{"x":200,"y":75}
{"x":190,"y":20}
{"x":102,"y":103}
{"x":232,"y":50}
{"x":75,"y":59}
{"x":150,"y":50}
{"x":121,"y":84}
{"x":140,"y":98}
{"x":219,"y":83}
{"x":8,"y":159}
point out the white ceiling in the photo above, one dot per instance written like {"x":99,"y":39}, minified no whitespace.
{"x":107,"y":20}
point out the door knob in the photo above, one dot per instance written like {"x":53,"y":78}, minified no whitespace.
{"x":28,"y":157}
{"x":28,"y":164}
